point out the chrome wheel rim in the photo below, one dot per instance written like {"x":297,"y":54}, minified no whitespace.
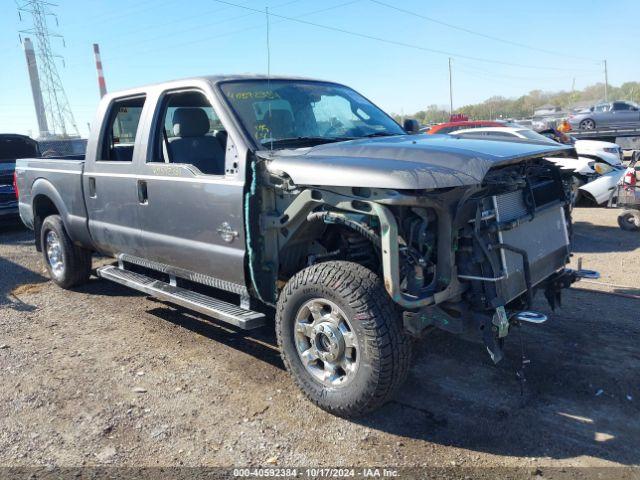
{"x":54,"y":253}
{"x":326,"y":343}
{"x":588,"y":125}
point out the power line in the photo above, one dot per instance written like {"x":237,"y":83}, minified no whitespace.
{"x":128,"y":13}
{"x":473,"y":69}
{"x":210,"y":24}
{"x":392,"y":42}
{"x":241,"y":30}
{"x":175,"y":21}
{"x":480,"y":34}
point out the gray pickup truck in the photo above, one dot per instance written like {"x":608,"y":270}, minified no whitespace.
{"x":231,"y":195}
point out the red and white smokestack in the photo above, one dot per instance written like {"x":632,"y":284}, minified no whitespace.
{"x":101,"y":83}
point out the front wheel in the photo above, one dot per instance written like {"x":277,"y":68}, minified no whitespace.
{"x":68,"y":264}
{"x":341,"y":338}
{"x":629,"y":220}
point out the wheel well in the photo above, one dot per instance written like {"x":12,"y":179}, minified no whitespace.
{"x":586,"y":199}
{"x":328,"y":242}
{"x":43,"y":207}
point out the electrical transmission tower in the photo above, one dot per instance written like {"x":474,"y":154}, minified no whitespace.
{"x":56,"y":105}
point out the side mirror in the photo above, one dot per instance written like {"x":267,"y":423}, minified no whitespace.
{"x":411,"y":125}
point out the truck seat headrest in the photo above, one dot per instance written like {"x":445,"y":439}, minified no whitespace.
{"x":190,"y":122}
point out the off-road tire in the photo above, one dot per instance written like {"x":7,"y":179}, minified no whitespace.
{"x":384,"y":348}
{"x":629,"y":220}
{"x":77,"y":260}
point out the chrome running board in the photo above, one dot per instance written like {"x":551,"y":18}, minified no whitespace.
{"x":226,"y":312}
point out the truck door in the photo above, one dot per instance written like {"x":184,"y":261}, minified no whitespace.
{"x":109,"y":182}
{"x":192,"y":216}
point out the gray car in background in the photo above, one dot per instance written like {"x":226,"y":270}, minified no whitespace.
{"x":611,"y":114}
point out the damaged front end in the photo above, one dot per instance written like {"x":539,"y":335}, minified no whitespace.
{"x":463,"y":259}
{"x":511,"y":239}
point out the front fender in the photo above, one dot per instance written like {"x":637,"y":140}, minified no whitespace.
{"x":603,"y":187}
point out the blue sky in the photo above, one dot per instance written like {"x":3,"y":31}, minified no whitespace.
{"x":155,"y":40}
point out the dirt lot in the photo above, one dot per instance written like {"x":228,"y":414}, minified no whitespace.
{"x":103,"y":375}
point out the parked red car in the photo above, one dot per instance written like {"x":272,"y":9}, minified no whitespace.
{"x":449,"y":127}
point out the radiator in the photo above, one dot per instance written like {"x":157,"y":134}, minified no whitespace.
{"x":544,"y":238}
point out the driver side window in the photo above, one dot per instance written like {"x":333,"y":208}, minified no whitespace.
{"x":189,"y":132}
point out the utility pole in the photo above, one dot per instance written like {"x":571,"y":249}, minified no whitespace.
{"x":56,"y":104}
{"x":606,"y":83}
{"x":266,"y":11}
{"x":450,"y":90}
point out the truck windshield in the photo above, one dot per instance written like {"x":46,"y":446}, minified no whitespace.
{"x":292,"y":113}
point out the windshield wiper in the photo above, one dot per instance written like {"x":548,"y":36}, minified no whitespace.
{"x":380,"y":134}
{"x":302,"y":141}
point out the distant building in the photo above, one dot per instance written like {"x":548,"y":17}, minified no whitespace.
{"x":546,"y":110}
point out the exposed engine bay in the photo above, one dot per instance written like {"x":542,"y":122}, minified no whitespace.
{"x":462,"y":259}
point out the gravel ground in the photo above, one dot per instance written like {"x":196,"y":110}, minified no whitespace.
{"x":106,"y":376}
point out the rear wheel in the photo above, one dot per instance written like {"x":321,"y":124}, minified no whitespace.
{"x":341,"y":338}
{"x":629,"y":220}
{"x":68,"y":264}
{"x":587,"y":124}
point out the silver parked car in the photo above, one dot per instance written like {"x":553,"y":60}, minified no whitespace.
{"x":611,"y":114}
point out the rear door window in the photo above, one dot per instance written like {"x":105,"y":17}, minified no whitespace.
{"x":121,"y":131}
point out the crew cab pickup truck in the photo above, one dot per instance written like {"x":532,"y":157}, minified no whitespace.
{"x":303,"y":196}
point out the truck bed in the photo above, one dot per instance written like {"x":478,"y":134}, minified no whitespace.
{"x":59,"y":179}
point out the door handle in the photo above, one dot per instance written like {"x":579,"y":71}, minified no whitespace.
{"x":143,"y":194}
{"x":92,"y":187}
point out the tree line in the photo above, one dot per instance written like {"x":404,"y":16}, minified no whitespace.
{"x":523,"y":107}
